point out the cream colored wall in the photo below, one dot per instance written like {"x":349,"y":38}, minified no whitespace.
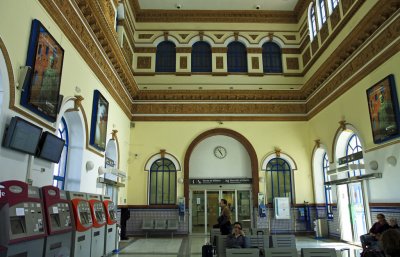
{"x":147,"y":138}
{"x":15,"y":26}
{"x":352,"y":107}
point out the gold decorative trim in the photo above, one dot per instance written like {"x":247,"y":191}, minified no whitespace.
{"x":292,"y":63}
{"x":218,"y":50}
{"x":291,"y":51}
{"x":145,"y":50}
{"x":236,"y":16}
{"x":183,"y":63}
{"x":145,"y":36}
{"x":220,"y":118}
{"x":186,"y":50}
{"x":144,"y":62}
{"x":254,"y":50}
{"x":219,"y":62}
{"x":290,"y":37}
{"x":254,"y":63}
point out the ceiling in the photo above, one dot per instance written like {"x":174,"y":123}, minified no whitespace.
{"x":270,"y":5}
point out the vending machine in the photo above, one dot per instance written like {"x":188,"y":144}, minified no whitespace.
{"x":5,"y":227}
{"x":58,"y":215}
{"x":82,"y":236}
{"x":99,"y":223}
{"x":111,"y":242}
{"x":24,"y":231}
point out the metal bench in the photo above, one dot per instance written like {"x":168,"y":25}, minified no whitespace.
{"x":285,"y":241}
{"x":147,"y":225}
{"x":281,"y":252}
{"x":318,"y":252}
{"x":242,"y":252}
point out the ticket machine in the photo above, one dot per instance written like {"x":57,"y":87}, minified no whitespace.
{"x":99,"y":223}
{"x":5,"y":227}
{"x":59,"y":222}
{"x":82,"y":236}
{"x":23,"y":220}
{"x":111,"y":242}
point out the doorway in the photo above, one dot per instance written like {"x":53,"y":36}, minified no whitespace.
{"x":351,"y":212}
{"x":204,"y":208}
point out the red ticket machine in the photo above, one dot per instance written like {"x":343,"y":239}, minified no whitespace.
{"x":59,"y":222}
{"x":3,"y":206}
{"x":99,"y":222}
{"x":82,"y":236}
{"x":111,"y":242}
{"x":24,"y":231}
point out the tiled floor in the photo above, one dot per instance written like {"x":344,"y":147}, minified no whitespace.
{"x":190,"y":246}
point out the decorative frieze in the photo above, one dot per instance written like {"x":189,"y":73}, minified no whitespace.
{"x":145,"y":36}
{"x":146,"y":50}
{"x":219,"y":50}
{"x":183,"y":62}
{"x":254,"y":63}
{"x":144,"y":62}
{"x":219,"y":62}
{"x":186,"y":50}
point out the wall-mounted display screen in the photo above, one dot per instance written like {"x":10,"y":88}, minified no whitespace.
{"x":21,"y":135}
{"x":50,"y":147}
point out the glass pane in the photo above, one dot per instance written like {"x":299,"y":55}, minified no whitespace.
{"x":153,"y":187}
{"x":160,"y":187}
{"x":269,"y":186}
{"x":198,"y":210}
{"x":357,"y":211}
{"x":243,"y":208}
{"x":172,"y":183}
{"x":213,"y":211}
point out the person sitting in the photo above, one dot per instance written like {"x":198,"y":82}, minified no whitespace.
{"x":390,"y":241}
{"x":237,"y":238}
{"x":370,"y":240}
{"x":393,"y":223}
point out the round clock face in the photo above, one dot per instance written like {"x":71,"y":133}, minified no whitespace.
{"x":220,"y":152}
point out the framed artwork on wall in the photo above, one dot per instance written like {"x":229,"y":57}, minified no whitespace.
{"x":41,"y":90}
{"x":383,"y":108}
{"x":98,"y":128}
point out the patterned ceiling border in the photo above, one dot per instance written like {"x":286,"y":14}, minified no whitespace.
{"x":231,"y":16}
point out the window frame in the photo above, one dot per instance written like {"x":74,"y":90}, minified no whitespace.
{"x":236,"y":56}
{"x":166,"y":57}
{"x":174,"y":179}
{"x":289,"y":171}
{"x":272,"y":52}
{"x":202,"y":55}
{"x":64,"y":156}
{"x":351,"y":150}
{"x":327,"y":188}
{"x":312,"y":26}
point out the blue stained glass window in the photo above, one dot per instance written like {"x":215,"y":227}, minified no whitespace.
{"x":60,"y":168}
{"x":162,"y":182}
{"x":201,"y":57}
{"x":354,"y":146}
{"x":278,"y":179}
{"x":166,"y":57}
{"x":272,"y":58}
{"x":237,"y":57}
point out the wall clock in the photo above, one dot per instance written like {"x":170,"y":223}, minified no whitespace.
{"x":220,"y":152}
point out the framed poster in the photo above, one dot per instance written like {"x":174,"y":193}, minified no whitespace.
{"x":384,"y":110}
{"x":41,"y":90}
{"x":98,"y":128}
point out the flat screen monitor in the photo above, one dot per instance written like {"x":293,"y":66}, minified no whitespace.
{"x":50,"y":147}
{"x":21,"y":135}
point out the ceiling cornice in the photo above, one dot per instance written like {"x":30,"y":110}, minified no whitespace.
{"x":204,"y":16}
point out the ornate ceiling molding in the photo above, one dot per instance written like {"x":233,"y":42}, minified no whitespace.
{"x":229,"y":16}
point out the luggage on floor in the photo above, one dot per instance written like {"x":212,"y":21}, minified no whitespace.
{"x":207,"y":251}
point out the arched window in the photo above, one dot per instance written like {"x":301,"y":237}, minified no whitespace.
{"x":278,"y":179}
{"x":332,"y":4}
{"x":354,"y":146}
{"x":322,"y":12}
{"x":166,"y":57}
{"x":201,"y":57}
{"x":312,"y":22}
{"x":60,"y":168}
{"x":272,"y":58}
{"x":162,"y":182}
{"x":328,"y":188}
{"x":237,"y":57}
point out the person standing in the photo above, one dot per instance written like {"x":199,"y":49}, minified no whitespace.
{"x":224,"y":220}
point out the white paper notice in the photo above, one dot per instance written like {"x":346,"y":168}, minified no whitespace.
{"x":55,"y":209}
{"x":20,"y":211}
{"x":198,"y":200}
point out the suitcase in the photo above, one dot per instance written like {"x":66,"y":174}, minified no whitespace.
{"x":207,"y":251}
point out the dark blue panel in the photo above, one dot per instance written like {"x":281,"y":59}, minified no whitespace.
{"x":166,"y":57}
{"x":201,"y":57}
{"x":272,"y":58}
{"x":237,"y":57}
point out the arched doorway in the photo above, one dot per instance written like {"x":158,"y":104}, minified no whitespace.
{"x":220,"y":163}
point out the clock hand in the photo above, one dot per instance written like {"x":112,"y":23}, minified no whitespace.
{"x":219,"y":150}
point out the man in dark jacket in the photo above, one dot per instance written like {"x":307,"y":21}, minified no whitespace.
{"x":370,"y":240}
{"x":237,"y":238}
{"x":224,"y":220}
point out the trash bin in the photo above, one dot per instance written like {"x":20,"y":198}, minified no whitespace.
{"x":321,"y":228}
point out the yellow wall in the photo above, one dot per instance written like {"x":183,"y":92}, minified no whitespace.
{"x":15,"y":26}
{"x":147,"y":138}
{"x":352,"y":107}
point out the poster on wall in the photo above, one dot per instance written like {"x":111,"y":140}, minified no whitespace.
{"x":98,"y":129}
{"x":41,"y":90}
{"x":384,"y":110}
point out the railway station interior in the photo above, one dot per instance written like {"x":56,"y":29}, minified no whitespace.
{"x":123,"y":123}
